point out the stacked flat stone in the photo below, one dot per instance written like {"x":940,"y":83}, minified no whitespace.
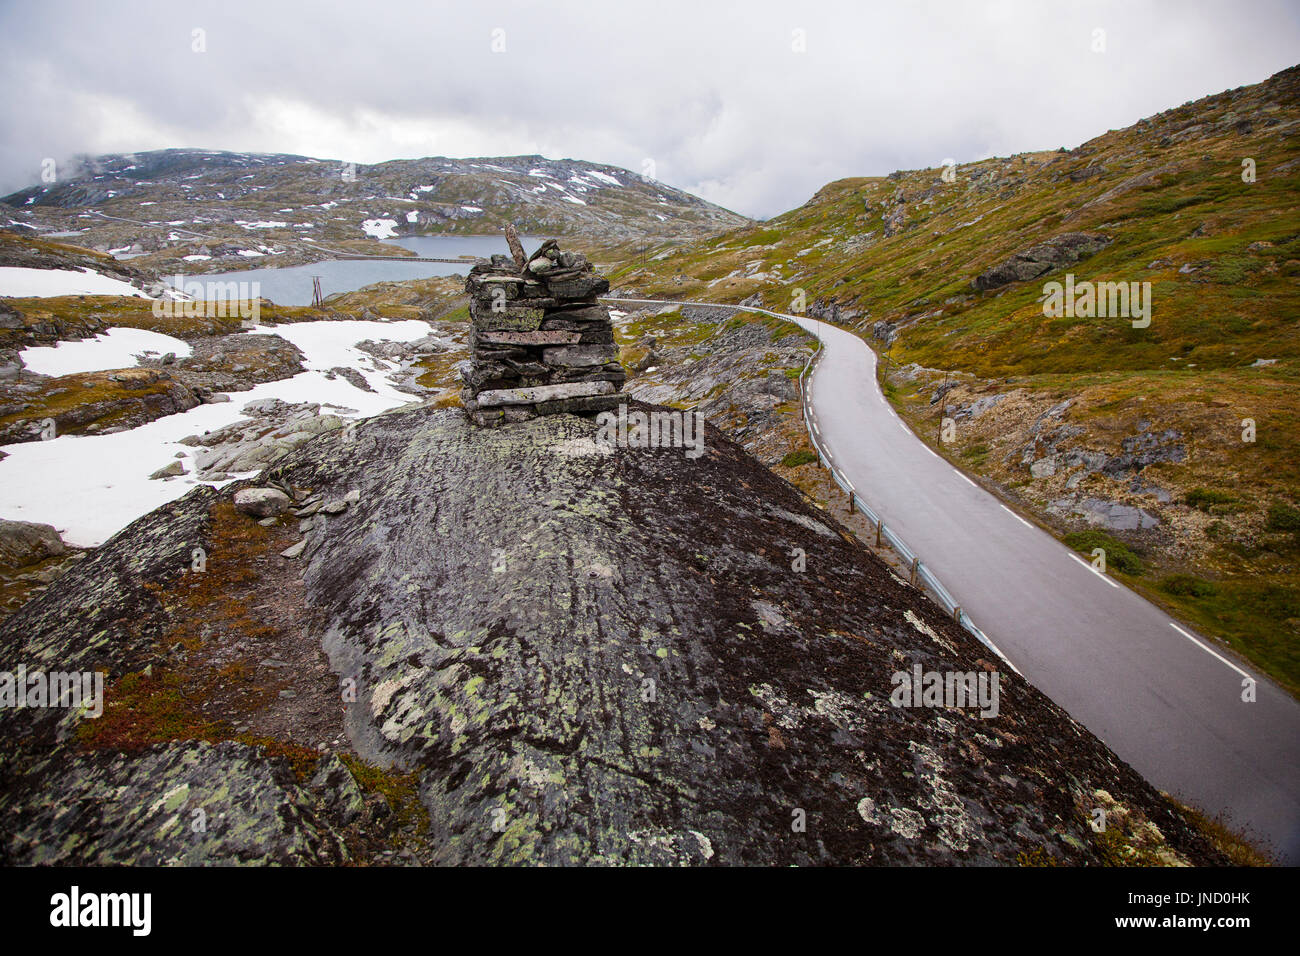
{"x":540,"y":343}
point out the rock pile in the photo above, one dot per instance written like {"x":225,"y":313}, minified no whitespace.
{"x":540,"y":343}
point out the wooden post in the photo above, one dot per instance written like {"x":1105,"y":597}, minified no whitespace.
{"x":879,"y":525}
{"x":915,"y":563}
{"x":943,"y":411}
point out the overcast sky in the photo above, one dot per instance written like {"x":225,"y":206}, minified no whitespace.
{"x":717,"y":95}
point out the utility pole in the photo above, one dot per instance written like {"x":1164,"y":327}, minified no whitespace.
{"x":317,"y":299}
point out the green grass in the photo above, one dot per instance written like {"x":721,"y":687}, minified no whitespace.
{"x":1254,"y":616}
{"x":1119,"y":557}
{"x":801,"y":457}
{"x":975,"y":455}
{"x":1211,"y":501}
{"x":1283,"y":517}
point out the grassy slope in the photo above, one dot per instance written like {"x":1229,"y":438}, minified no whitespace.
{"x":1170,"y":194}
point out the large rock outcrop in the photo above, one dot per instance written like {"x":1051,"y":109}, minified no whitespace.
{"x":582,"y":653}
{"x":1041,"y":258}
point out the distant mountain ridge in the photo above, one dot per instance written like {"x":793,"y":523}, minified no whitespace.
{"x":152,"y":201}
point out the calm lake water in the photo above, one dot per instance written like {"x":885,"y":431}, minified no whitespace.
{"x":292,"y":285}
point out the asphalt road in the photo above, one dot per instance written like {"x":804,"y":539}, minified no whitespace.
{"x":1167,"y":700}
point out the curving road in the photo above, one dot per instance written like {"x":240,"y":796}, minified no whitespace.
{"x":1165,"y":699}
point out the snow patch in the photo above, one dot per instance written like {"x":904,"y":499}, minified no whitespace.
{"x":20,"y":281}
{"x":114,"y":348}
{"x":380,"y":228}
{"x":92,"y":486}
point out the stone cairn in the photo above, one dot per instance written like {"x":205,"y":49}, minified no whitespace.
{"x":540,"y":343}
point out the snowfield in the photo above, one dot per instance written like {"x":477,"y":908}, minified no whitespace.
{"x":113,"y":348}
{"x":91,"y":486}
{"x":22,"y":282}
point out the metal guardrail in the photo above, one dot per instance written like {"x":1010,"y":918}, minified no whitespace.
{"x":920,"y":572}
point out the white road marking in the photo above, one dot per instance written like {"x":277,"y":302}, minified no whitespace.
{"x":965,"y":479}
{"x":1209,"y":650}
{"x":1093,"y":570}
{"x":1014,"y":515}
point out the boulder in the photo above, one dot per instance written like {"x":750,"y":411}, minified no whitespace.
{"x":262,"y":502}
{"x":172,"y":470}
{"x":24,"y":543}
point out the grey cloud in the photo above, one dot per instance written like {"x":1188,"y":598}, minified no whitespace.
{"x":711,"y":92}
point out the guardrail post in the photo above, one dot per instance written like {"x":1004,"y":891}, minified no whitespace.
{"x":916,"y":563}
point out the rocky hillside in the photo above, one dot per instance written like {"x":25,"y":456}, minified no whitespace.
{"x":1171,"y":442}
{"x":418,"y":641}
{"x":740,"y":371}
{"x":230,"y":208}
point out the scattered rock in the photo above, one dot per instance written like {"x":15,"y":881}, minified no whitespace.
{"x":261,"y":502}
{"x":294,"y":550}
{"x":1043,"y":468}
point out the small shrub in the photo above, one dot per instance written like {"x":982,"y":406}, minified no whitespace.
{"x":977,"y":455}
{"x":1185,"y":585}
{"x":1208,"y":499}
{"x":801,"y":457}
{"x":1283,"y":518}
